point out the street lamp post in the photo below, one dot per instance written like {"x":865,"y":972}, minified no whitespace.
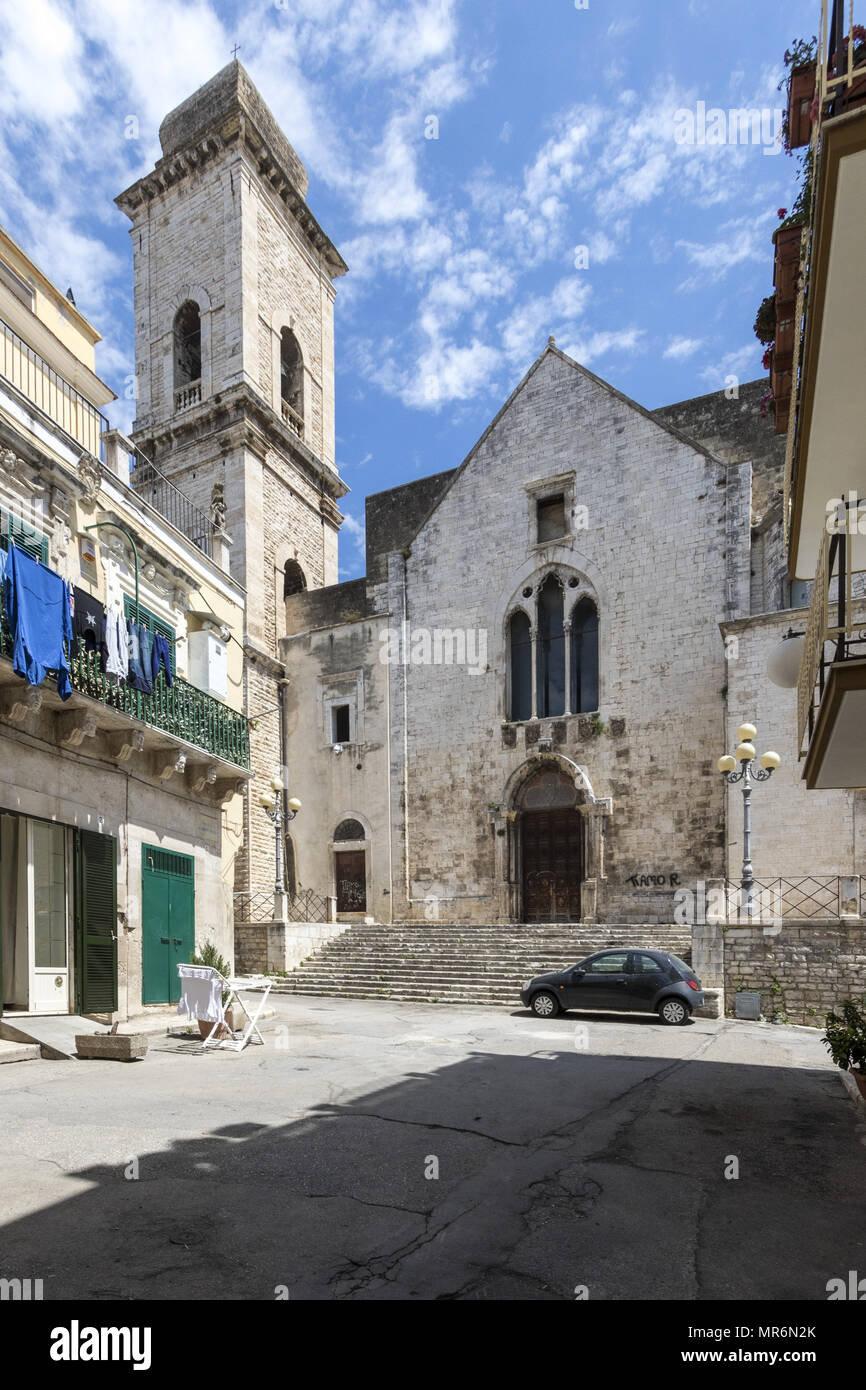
{"x":271,"y":802}
{"x":748,"y":773}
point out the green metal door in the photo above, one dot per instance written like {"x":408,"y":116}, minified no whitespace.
{"x":167,"y":921}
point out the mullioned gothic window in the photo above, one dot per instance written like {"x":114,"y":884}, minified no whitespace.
{"x":562,"y":650}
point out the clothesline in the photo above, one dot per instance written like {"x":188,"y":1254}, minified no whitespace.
{"x":51,"y":620}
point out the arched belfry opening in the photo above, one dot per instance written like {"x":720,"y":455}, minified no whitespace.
{"x":294,"y":579}
{"x":187,"y":345}
{"x":291,"y":381}
{"x":550,"y":847}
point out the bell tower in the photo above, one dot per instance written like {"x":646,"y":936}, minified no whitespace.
{"x":234,"y":370}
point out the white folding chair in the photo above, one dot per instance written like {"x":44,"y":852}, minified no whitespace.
{"x":202,"y":990}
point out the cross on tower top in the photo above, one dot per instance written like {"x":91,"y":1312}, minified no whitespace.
{"x":236,"y":50}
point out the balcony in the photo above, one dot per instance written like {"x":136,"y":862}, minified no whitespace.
{"x":179,"y":727}
{"x":831,"y":693}
{"x":187,"y":395}
{"x":291,"y":418}
{"x":824,"y":455}
{"x":39,"y":383}
{"x":149,"y":483}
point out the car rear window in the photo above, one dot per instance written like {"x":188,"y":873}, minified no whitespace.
{"x":681,"y":965}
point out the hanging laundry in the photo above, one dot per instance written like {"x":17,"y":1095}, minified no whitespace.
{"x":39,"y":617}
{"x":117,"y":646}
{"x":140,"y":658}
{"x":161,"y":657}
{"x":88,"y":626}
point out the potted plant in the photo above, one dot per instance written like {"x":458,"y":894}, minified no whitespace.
{"x":209,"y":955}
{"x":801,"y":63}
{"x":765,"y":321}
{"x":845,"y":1038}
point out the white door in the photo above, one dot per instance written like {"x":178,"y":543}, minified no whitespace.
{"x":48,"y":918}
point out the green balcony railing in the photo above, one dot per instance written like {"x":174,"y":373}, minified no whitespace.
{"x":180,"y":709}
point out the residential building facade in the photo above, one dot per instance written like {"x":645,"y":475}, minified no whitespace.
{"x":120,"y":810}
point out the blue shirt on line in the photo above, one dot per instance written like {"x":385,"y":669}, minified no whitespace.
{"x":37,"y":610}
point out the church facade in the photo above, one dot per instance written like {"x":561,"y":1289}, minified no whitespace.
{"x":516,"y":715}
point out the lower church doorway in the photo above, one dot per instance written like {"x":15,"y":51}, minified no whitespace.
{"x":551,"y":849}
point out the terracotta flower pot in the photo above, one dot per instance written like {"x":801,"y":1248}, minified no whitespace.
{"x":801,"y":90}
{"x":860,"y":1078}
{"x":205,"y":1026}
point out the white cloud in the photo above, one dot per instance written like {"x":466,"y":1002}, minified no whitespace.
{"x":602,"y":344}
{"x":680,"y":349}
{"x":744,"y":363}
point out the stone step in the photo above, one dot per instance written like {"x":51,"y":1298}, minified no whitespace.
{"x":18,"y":1051}
{"x":459,"y":963}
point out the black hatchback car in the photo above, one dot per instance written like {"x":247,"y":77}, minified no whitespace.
{"x":621,"y":981}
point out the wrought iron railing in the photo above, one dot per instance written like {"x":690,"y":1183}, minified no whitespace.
{"x":835,"y":593}
{"x":306,"y":906}
{"x":818,"y":895}
{"x":180,"y":709}
{"x":155,"y":488}
{"x":40,"y":383}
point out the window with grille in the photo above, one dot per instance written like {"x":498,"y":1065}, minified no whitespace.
{"x":25,"y":536}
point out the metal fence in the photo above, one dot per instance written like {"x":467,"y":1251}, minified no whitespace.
{"x":306,"y":906}
{"x":818,"y":895}
{"x":160,"y":492}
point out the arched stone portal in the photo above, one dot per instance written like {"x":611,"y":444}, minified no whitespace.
{"x":550,"y":837}
{"x":550,"y":831}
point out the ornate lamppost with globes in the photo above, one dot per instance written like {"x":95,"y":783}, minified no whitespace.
{"x":271,"y":801}
{"x":747,"y":774}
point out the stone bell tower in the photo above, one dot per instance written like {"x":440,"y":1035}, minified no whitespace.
{"x":234,"y":369}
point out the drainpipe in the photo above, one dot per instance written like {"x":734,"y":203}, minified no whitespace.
{"x":404,"y":630}
{"x":282,"y":686}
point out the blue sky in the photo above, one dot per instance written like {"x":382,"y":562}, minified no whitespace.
{"x":556,"y":130}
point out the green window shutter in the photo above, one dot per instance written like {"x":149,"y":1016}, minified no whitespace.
{"x":25,"y":536}
{"x":151,"y":623}
{"x":96,"y":924}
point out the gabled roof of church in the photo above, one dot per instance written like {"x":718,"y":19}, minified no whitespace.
{"x":553,"y":351}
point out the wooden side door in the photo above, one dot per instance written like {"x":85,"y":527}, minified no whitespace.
{"x":351,"y":875}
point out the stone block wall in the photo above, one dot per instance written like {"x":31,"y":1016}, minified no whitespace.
{"x":273,"y":946}
{"x":808,"y":968}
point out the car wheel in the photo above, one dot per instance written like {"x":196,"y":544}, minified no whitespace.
{"x":545,"y":1005}
{"x":674,"y":1011}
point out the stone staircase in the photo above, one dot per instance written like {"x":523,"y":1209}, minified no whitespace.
{"x":435,"y":963}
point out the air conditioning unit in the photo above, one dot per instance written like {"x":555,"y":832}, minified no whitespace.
{"x":208,"y":662}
